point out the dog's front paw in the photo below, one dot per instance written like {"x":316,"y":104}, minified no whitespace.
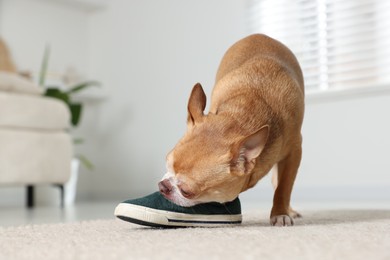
{"x":282,"y":220}
{"x":294,"y":214}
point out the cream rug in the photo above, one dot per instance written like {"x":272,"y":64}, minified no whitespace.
{"x":350,"y":234}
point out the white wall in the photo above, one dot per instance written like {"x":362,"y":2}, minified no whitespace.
{"x":28,"y":26}
{"x":345,"y":150}
{"x":154,"y":52}
{"x":346,"y":147}
{"x":150,"y":54}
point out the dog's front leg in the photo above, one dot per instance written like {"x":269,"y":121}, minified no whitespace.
{"x":287,"y":171}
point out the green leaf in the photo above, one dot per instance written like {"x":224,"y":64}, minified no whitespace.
{"x":44,"y":66}
{"x":82,"y":86}
{"x":78,"y":140}
{"x":87,"y":163}
{"x":75,"y":111}
{"x":57,"y":93}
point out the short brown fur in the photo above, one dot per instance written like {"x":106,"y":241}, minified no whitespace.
{"x":6,"y":63}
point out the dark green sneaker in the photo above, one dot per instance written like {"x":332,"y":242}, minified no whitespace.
{"x":156,"y":211}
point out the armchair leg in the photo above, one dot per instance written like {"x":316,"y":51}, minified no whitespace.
{"x":30,"y":203}
{"x":62,"y":194}
{"x":30,"y":196}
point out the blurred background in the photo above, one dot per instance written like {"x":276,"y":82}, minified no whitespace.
{"x":148,"y":54}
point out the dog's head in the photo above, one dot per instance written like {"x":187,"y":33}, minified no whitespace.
{"x":213,"y":161}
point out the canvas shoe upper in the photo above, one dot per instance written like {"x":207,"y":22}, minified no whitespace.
{"x":156,"y":211}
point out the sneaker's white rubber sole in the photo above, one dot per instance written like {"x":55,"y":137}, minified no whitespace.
{"x":161,"y":218}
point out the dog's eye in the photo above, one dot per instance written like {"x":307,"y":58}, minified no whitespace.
{"x":185,"y":193}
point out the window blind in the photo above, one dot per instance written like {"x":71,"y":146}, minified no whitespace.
{"x":339,"y":43}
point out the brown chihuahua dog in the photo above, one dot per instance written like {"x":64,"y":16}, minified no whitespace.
{"x":254,"y":124}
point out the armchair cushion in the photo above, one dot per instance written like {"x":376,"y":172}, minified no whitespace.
{"x":12,"y":82}
{"x":32,"y":112}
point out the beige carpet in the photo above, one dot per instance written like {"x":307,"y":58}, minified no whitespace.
{"x":352,"y":234}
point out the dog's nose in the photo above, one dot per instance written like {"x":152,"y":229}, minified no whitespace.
{"x":165,"y":187}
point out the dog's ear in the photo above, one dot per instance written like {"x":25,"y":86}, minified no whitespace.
{"x":196,"y":104}
{"x":247,"y":151}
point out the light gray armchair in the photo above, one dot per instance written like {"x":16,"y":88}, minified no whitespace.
{"x":35,"y":147}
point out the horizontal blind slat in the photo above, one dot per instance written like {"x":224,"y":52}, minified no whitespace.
{"x":337,"y":42}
